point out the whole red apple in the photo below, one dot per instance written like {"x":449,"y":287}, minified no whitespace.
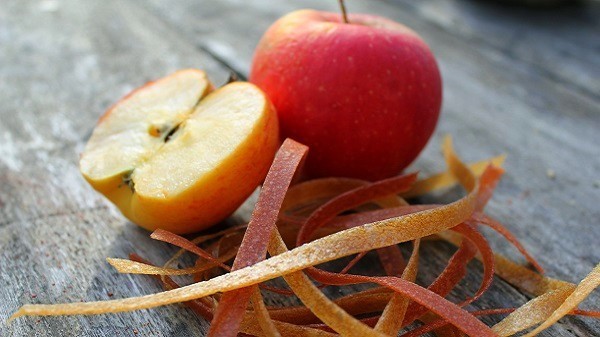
{"x":364,"y":95}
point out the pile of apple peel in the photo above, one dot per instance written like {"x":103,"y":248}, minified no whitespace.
{"x":331,"y":218}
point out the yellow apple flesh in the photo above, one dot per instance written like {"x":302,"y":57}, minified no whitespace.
{"x":176,"y":156}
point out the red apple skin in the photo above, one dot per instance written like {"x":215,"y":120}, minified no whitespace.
{"x":364,"y":96}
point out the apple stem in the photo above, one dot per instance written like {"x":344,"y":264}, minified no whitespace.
{"x":343,"y":7}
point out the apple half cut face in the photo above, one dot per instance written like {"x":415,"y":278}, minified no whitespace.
{"x":176,"y":155}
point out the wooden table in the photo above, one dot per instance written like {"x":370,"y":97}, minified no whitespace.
{"x":519,"y":81}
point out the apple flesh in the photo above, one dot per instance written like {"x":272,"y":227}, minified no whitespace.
{"x":365,"y":96}
{"x":178,"y":156}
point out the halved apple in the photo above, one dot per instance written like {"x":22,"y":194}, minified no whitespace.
{"x":174,"y":155}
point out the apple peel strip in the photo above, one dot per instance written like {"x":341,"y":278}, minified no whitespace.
{"x":255,"y":243}
{"x":249,"y":324}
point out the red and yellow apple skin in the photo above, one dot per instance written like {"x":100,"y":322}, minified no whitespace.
{"x":364,"y":96}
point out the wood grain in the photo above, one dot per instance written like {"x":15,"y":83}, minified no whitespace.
{"x":517,"y":81}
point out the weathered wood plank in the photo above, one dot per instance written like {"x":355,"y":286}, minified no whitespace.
{"x":62,"y":63}
{"x":561,"y":43}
